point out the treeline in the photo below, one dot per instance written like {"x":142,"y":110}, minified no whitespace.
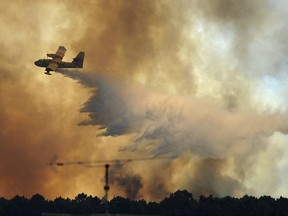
{"x":178,"y":203}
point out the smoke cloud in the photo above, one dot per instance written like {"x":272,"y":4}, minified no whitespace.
{"x":124,"y":178}
{"x":203,"y":81}
{"x":171,"y":125}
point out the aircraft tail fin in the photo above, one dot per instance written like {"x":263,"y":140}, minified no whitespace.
{"x":79,"y":59}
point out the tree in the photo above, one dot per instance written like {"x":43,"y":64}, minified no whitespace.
{"x":179,"y":203}
{"x":120,"y":205}
{"x":38,"y":204}
{"x":87,"y":205}
{"x":20,"y":206}
{"x":60,"y":205}
{"x":4,"y":207}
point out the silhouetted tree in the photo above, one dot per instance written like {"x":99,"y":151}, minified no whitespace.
{"x":229,"y":206}
{"x":60,"y":205}
{"x":138,"y":207}
{"x":265,"y":206}
{"x":95,"y":205}
{"x":20,"y":206}
{"x":120,"y":205}
{"x":80,"y":204}
{"x":4,"y":207}
{"x":87,"y":204}
{"x":153,"y":208}
{"x":37,"y":203}
{"x":282,"y":207}
{"x":247,"y":205}
{"x":179,"y":203}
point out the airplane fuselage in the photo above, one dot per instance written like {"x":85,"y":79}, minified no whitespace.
{"x":46,"y":62}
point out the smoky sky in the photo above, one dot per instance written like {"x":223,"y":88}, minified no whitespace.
{"x":170,"y":125}
{"x":203,"y":81}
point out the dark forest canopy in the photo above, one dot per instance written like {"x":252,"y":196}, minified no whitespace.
{"x":178,"y":203}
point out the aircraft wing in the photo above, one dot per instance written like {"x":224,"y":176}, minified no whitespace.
{"x":52,"y":66}
{"x":60,"y":52}
{"x":56,"y":58}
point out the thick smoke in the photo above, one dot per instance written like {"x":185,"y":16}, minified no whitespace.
{"x":201,"y":80}
{"x":37,"y":117}
{"x":126,"y":180}
{"x":138,"y":40}
{"x":170,"y":125}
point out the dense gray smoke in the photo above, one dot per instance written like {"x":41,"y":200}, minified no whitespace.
{"x":177,"y":126}
{"x":205,"y":81}
{"x":125,"y":179}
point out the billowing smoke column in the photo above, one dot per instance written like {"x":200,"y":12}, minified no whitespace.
{"x":201,"y":134}
{"x":126,"y":180}
{"x":204,"y":81}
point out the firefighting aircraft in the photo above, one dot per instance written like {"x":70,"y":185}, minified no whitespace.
{"x":56,"y":61}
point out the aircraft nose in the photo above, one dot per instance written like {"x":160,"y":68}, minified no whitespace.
{"x":36,"y":63}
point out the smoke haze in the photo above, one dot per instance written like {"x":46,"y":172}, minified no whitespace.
{"x":202,"y":81}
